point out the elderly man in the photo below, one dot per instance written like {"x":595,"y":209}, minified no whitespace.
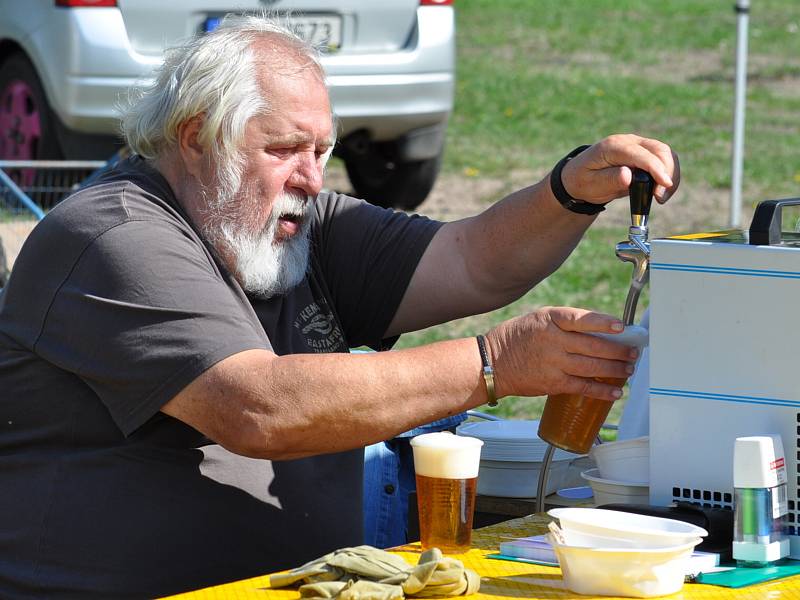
{"x":179,"y":406}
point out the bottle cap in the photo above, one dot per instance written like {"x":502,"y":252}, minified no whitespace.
{"x":758,"y":462}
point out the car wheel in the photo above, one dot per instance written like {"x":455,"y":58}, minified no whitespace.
{"x":27,"y":129}
{"x":389,"y":183}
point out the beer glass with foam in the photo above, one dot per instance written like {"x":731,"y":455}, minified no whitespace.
{"x":446,"y":467}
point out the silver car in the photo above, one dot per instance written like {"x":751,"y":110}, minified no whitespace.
{"x":65,"y":64}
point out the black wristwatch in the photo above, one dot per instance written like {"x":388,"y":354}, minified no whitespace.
{"x":561,"y":194}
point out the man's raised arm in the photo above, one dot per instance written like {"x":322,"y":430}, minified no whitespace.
{"x":484,"y":262}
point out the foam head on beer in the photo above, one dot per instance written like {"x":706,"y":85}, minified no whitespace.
{"x":446,"y":456}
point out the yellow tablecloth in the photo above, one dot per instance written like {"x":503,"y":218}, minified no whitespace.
{"x":502,"y":579}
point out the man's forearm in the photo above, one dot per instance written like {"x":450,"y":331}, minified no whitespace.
{"x":265,"y":406}
{"x":260,"y":405}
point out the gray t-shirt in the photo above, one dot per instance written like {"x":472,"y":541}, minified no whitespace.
{"x":115,"y":305}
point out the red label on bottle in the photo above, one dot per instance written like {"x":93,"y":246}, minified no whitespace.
{"x":776,"y":464}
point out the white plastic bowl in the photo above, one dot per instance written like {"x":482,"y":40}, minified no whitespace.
{"x":573,"y":537}
{"x":627,"y":460}
{"x":645,"y":531}
{"x":633,"y":572}
{"x":608,"y":491}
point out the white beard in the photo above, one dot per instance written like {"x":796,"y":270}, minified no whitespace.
{"x":264,"y":265}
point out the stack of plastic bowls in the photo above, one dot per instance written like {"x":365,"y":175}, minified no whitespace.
{"x":622,"y":475}
{"x":613,"y":553}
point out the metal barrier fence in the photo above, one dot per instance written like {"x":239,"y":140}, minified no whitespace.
{"x":44,"y":182}
{"x":28,"y":189}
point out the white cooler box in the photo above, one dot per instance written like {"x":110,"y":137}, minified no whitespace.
{"x":725,"y":360}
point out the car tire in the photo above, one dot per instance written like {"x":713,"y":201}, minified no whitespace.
{"x":388,"y":183}
{"x":27,"y":124}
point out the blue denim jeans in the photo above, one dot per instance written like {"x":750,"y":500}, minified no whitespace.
{"x":388,"y":480}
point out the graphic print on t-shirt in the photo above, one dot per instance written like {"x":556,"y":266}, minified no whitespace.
{"x":318,"y":326}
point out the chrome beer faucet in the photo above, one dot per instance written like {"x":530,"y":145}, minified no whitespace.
{"x":636,"y":249}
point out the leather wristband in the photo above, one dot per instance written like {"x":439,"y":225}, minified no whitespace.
{"x":561,"y":194}
{"x":488,"y":371}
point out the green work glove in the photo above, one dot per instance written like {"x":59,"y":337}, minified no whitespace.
{"x":361,"y":562}
{"x":351,"y":590}
{"x":368,"y":562}
{"x":439,"y":576}
{"x":311,"y":572}
{"x":366,"y":573}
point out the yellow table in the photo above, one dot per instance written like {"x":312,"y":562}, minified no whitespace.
{"x":502,"y":579}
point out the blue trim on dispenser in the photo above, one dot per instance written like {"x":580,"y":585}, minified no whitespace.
{"x":725,"y":270}
{"x":723,"y":397}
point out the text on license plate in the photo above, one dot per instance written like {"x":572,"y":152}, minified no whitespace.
{"x":324,"y":32}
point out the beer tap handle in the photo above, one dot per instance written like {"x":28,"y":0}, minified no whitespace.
{"x":637,"y":249}
{"x":641,"y":195}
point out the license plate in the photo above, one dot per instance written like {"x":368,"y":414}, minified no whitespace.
{"x":322,"y":31}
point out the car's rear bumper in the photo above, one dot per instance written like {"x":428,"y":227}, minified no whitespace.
{"x":386,"y":93}
{"x":390,"y":105}
{"x":385,"y":105}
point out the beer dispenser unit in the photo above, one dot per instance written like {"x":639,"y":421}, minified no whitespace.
{"x":724,"y":316}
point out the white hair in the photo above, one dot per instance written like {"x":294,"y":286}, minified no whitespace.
{"x":219,"y":78}
{"x":213,"y":76}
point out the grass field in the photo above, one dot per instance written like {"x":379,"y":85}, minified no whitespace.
{"x":539,"y":77}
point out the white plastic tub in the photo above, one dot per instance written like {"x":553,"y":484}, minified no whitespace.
{"x":573,"y":537}
{"x":627,"y":460}
{"x":608,"y":491}
{"x":633,"y":572}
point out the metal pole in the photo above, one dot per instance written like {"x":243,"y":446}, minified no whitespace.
{"x":742,"y":9}
{"x":544,"y":473}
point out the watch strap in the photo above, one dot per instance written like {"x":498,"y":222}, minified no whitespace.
{"x":561,"y":194}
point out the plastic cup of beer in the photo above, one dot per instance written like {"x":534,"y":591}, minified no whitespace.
{"x":572,"y":421}
{"x":446,"y":467}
